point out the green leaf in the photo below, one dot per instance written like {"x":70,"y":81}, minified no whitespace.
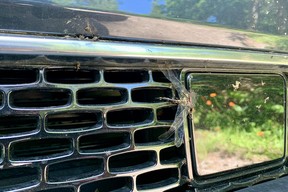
{"x":277,"y":108}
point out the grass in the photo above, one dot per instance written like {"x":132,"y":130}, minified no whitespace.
{"x":280,"y":42}
{"x":255,"y":146}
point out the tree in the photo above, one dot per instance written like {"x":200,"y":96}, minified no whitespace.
{"x":157,"y":9}
{"x":266,"y":15}
{"x":273,"y":16}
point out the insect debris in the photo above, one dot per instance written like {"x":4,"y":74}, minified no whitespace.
{"x":236,"y":86}
{"x":186,"y":103}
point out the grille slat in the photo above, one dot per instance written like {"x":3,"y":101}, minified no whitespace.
{"x":39,"y":98}
{"x":69,"y":121}
{"x":104,"y":142}
{"x":166,"y":113}
{"x":172,"y":155}
{"x":156,"y":179}
{"x":62,"y":189}
{"x":128,"y":117}
{"x":150,"y":95}
{"x":17,"y":178}
{"x":40,"y":149}
{"x":102,"y":96}
{"x":121,"y":184}
{"x":75,"y":169}
{"x":150,"y":136}
{"x":17,"y":124}
{"x":132,"y":161}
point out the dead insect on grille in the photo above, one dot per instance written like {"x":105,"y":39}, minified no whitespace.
{"x":186,"y":103}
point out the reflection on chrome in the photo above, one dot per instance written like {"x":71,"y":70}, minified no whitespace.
{"x":248,"y":24}
{"x":238,"y":120}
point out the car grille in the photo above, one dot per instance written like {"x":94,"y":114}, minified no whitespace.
{"x":84,"y":115}
{"x":66,"y":129}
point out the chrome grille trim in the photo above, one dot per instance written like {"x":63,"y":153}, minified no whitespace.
{"x":30,"y":45}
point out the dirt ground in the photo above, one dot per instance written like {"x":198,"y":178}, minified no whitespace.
{"x":221,"y":161}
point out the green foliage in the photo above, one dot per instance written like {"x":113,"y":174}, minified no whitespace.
{"x":280,"y":42}
{"x":157,"y":9}
{"x":240,"y":114}
{"x":268,"y":16}
{"x":248,"y":145}
{"x":273,"y":16}
{"x":255,"y":103}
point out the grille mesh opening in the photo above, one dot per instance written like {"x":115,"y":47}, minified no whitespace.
{"x":103,"y":142}
{"x":75,"y":169}
{"x":132,"y":161}
{"x":1,"y":99}
{"x":40,"y":149}
{"x":62,"y":189}
{"x":166,"y":113}
{"x":72,"y":76}
{"x":40,"y":98}
{"x":69,"y":121}
{"x":172,"y":155}
{"x":18,"y":76}
{"x":121,"y":184}
{"x":17,"y":178}
{"x":126,"y":76}
{"x":98,"y":96}
{"x":150,"y":136}
{"x":155,"y":179}
{"x":150,"y":95}
{"x":158,"y":76}
{"x":129,"y":117}
{"x":17,"y":124}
